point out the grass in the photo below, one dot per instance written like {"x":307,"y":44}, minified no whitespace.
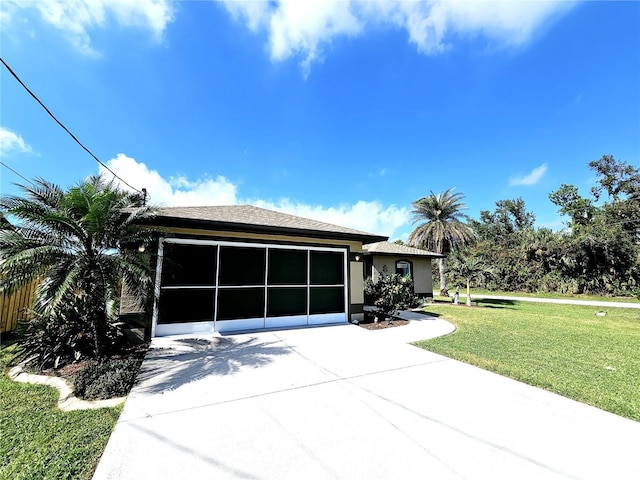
{"x":562,"y":348}
{"x":39,"y":441}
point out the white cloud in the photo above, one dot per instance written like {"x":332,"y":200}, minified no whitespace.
{"x":180,"y":191}
{"x":176,"y":191}
{"x":307,"y":28}
{"x":298,"y":27}
{"x":10,"y":141}
{"x":530,"y":179}
{"x":76,"y":17}
{"x":367,"y":216}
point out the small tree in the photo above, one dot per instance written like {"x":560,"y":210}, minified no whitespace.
{"x":78,"y":245}
{"x":391,"y":294}
{"x":469,"y":269}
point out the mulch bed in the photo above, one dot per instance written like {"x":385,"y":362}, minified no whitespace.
{"x":396,"y":322}
{"x":70,"y":370}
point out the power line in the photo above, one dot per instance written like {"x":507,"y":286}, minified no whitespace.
{"x":17,"y":173}
{"x":65,"y":128}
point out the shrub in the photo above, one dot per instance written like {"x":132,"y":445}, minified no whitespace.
{"x":55,"y":339}
{"x":391,"y":293}
{"x":64,"y":335}
{"x":107,"y":378}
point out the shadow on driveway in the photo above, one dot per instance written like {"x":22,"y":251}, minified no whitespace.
{"x":172,"y":363}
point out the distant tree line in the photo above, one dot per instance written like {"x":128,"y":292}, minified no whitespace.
{"x":598,"y":252}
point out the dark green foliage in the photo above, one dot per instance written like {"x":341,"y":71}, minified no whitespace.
{"x":55,"y":339}
{"x":598,"y":253}
{"x":504,"y":237}
{"x":581,"y":210}
{"x":617,"y":178}
{"x":52,"y":340}
{"x":508,"y":219}
{"x":99,"y":380}
{"x":391,"y":293}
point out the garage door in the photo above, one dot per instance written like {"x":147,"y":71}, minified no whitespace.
{"x":228,"y":286}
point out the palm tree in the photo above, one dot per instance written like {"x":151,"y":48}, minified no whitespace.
{"x":441,"y":227}
{"x":80,"y":244}
{"x":469,"y":269}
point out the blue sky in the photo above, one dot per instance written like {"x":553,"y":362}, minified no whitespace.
{"x":337,"y":110}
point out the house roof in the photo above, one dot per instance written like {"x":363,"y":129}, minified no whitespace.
{"x":388,"y":248}
{"x":247,"y":218}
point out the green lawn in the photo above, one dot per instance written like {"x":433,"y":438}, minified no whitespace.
{"x":38,"y":441}
{"x":562,"y":348}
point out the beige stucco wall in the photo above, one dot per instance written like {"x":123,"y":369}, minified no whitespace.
{"x":422,"y":279}
{"x":356,"y":290}
{"x":356,"y":282}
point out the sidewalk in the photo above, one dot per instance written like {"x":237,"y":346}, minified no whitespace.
{"x":568,"y":301}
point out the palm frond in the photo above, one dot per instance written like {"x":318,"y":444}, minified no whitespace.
{"x":441,"y":226}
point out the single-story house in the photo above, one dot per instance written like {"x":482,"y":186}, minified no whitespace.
{"x":240,"y":267}
{"x":385,"y":258}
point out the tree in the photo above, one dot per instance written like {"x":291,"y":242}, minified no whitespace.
{"x":599,"y":258}
{"x":616,"y":178}
{"x":501,"y":237}
{"x":469,"y":269}
{"x":509,"y":218}
{"x":581,"y":210}
{"x":601,"y":252}
{"x":621,"y":182}
{"x":80,"y":244}
{"x":441,"y":227}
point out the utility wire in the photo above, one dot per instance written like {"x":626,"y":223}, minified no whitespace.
{"x":17,"y":173}
{"x":63,"y":127}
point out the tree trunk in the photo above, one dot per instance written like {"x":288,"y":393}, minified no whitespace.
{"x":468,"y":293}
{"x":97,"y":341}
{"x":443,"y":278}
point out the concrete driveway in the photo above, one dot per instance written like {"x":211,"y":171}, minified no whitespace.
{"x":342,"y":402}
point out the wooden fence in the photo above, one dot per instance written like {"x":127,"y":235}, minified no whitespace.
{"x":15,"y":307}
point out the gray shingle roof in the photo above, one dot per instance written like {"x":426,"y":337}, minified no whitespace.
{"x":388,"y":248}
{"x":248,"y":217}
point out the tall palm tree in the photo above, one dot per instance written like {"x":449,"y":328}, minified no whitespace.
{"x":441,"y":227}
{"x":78,"y":244}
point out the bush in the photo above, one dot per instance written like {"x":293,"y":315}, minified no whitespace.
{"x":65,"y":335}
{"x":106,"y":379}
{"x":53,"y":340}
{"x":391,"y":293}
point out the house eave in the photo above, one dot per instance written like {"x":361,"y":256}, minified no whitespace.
{"x":400,"y":254}
{"x":174,"y":222}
